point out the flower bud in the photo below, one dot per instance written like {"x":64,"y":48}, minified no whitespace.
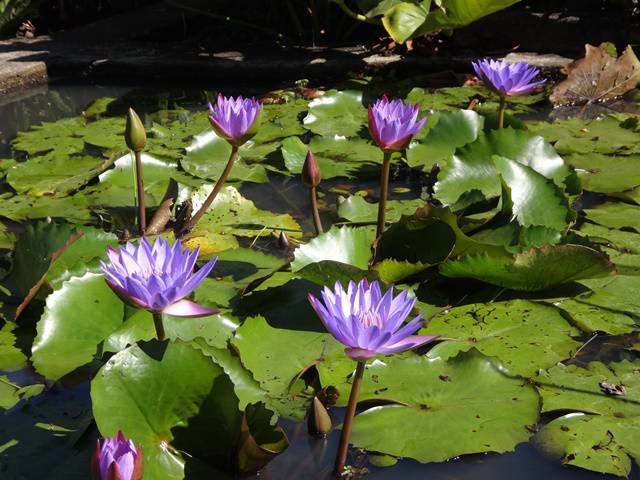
{"x":134,"y":133}
{"x":310,"y":171}
{"x":283,"y":241}
{"x":117,"y":459}
{"x":318,"y":420}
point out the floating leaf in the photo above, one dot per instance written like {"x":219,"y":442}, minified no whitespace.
{"x":598,"y":76}
{"x":357,"y":210}
{"x":480,"y":408}
{"x":523,"y":336}
{"x":618,"y":293}
{"x":11,"y":357}
{"x":591,"y":318}
{"x":615,"y":215}
{"x":347,"y":245}
{"x":336,"y":113}
{"x":532,"y":270}
{"x":232,"y":214}
{"x":606,"y":174}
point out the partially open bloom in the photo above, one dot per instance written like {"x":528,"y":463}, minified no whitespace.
{"x":117,"y":459}
{"x":507,"y":79}
{"x":157,"y":277}
{"x":393,"y":124}
{"x":235,"y":120}
{"x":367,"y":322}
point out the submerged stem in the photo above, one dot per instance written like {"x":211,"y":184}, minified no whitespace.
{"x":214,"y":193}
{"x":142,"y":219}
{"x":501,"y":109}
{"x":314,"y":210}
{"x":343,"y":447}
{"x":384,"y":186}
{"x":157,"y":322}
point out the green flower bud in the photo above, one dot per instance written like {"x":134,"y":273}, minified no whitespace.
{"x":134,"y":133}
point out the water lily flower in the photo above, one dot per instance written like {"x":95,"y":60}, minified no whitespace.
{"x":507,"y":79}
{"x":367,"y":322}
{"x":235,"y":120}
{"x":117,"y":459}
{"x":393,"y":123}
{"x":157,"y":277}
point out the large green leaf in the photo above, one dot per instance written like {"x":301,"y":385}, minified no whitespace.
{"x":458,"y":13}
{"x":472,"y":168}
{"x":532,"y":270}
{"x":591,"y":318}
{"x":606,"y":174}
{"x":337,"y":113}
{"x":207,"y":156}
{"x":11,"y":357}
{"x":340,"y":244}
{"x":277,"y":357}
{"x":403,"y":19}
{"x":357,"y":210}
{"x":535,"y":201}
{"x":147,"y":398}
{"x":479,"y":408}
{"x":618,"y":293}
{"x":523,"y":336}
{"x":446,"y":131}
{"x":78,"y":316}
{"x":609,"y":433}
{"x":233,"y":215}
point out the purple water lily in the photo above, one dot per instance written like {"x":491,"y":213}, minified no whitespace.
{"x":117,"y":459}
{"x":368,"y":322}
{"x":393,"y":123}
{"x":235,"y":120}
{"x":507,"y":79}
{"x":157,"y":277}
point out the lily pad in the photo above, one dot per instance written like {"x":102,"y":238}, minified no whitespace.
{"x":233,"y":215}
{"x":523,"y":336}
{"x":347,"y":245}
{"x":591,"y":318}
{"x":606,"y":436}
{"x":337,"y":113}
{"x":615,"y":215}
{"x":606,"y":174}
{"x":11,"y":357}
{"x":357,"y":210}
{"x":480,"y":408}
{"x":532,"y":270}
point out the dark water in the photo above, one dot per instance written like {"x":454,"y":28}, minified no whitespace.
{"x":307,"y":457}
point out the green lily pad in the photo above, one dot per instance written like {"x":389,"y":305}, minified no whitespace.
{"x":337,"y":113}
{"x":606,"y":437}
{"x":357,"y":210}
{"x":618,"y":293}
{"x":11,"y":393}
{"x":60,"y":135}
{"x":471,"y":168}
{"x":277,"y":357}
{"x":233,"y":215}
{"x":480,"y":408}
{"x":624,"y":242}
{"x":446,"y":131}
{"x":606,"y":174}
{"x":615,"y":215}
{"x":207,"y":157}
{"x":281,"y":120}
{"x":125,"y":396}
{"x":535,"y":201}
{"x":591,"y":318}
{"x":532,"y":270}
{"x":347,"y":245}
{"x":73,"y":209}
{"x":11,"y":357}
{"x":523,"y":336}
{"x":78,"y":316}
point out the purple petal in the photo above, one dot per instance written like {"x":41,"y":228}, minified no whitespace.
{"x":408,"y":343}
{"x":187,"y":308}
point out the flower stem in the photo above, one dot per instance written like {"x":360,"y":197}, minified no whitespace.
{"x":384,"y":186}
{"x":214,"y":193}
{"x":314,"y":210}
{"x":142,"y":219}
{"x":157,"y":322}
{"x":501,"y":109}
{"x":343,"y":447}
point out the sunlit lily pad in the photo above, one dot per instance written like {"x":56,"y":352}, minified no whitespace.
{"x":615,"y":215}
{"x":523,"y":336}
{"x":479,"y":408}
{"x":358,"y":210}
{"x":337,"y":113}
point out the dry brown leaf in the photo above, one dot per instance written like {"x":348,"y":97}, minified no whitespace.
{"x":598,"y":77}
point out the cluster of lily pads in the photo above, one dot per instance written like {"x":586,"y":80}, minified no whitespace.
{"x":509,"y":277}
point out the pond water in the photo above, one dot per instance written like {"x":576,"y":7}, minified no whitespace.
{"x":307,"y":457}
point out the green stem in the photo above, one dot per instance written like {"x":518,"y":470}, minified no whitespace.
{"x":214,"y":193}
{"x":157,"y":322}
{"x":356,"y":16}
{"x":343,"y":447}
{"x":501,"y":109}
{"x":142,"y":218}
{"x":384,"y":186}
{"x":314,"y":210}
